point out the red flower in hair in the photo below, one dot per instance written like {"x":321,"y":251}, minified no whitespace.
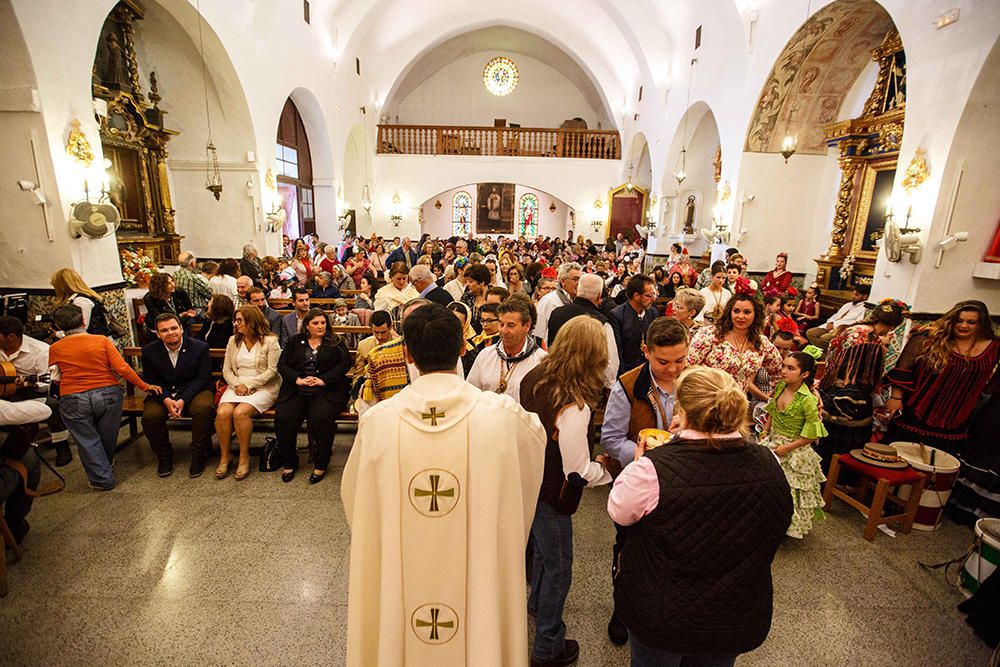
{"x":742,"y":286}
{"x":792,"y":291}
{"x":550,"y":272}
{"x":788,"y":325}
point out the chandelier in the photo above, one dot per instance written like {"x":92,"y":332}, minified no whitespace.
{"x":213,"y":175}
{"x":680,"y":174}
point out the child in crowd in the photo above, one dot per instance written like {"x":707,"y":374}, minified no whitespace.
{"x":762,"y":387}
{"x":793,"y":424}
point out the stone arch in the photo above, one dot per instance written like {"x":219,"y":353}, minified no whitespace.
{"x":813,"y":75}
{"x":323,"y":170}
{"x":701,"y":147}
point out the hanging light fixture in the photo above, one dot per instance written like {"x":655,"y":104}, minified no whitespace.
{"x":213,"y":176}
{"x":680,"y":174}
{"x":629,"y":186}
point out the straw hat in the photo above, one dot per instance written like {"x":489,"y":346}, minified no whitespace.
{"x":876,"y":454}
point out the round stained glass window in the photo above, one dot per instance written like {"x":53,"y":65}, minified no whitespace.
{"x":500,"y":76}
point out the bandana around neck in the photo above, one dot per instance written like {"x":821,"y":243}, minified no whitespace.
{"x":529,"y":349}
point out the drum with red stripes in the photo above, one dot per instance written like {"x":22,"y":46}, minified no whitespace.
{"x":942,"y":471}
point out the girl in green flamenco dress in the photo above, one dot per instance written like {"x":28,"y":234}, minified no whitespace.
{"x":793,"y":424}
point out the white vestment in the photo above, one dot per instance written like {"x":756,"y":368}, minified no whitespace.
{"x":440,"y":491}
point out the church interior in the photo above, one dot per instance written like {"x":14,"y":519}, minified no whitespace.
{"x":855,"y":136}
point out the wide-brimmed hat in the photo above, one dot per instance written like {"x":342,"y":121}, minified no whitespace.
{"x":876,"y":454}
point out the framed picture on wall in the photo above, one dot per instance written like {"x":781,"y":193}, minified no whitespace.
{"x":495,"y":214}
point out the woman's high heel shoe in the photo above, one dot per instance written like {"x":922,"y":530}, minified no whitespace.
{"x":242,"y":470}
{"x":222,"y":470}
{"x":287,"y":475}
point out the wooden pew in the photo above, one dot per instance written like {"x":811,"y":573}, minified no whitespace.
{"x":325,"y":304}
{"x":133,"y":400}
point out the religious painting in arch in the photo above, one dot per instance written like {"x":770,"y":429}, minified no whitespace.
{"x":527,"y":219}
{"x":496,"y":208}
{"x":461,"y":214}
{"x":294,"y":173}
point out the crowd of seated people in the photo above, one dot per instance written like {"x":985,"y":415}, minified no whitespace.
{"x":515,"y":300}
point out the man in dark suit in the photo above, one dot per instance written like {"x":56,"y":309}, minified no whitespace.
{"x":256,"y":297}
{"x":404,"y":253}
{"x":292,"y":322}
{"x":422,"y":279}
{"x":631,"y":319}
{"x":588,"y":302}
{"x":181,"y":366}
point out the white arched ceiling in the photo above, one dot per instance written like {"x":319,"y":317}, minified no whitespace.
{"x":638,"y":158}
{"x":388,"y":37}
{"x":698,"y":115}
{"x":168,"y":42}
{"x":498,"y":38}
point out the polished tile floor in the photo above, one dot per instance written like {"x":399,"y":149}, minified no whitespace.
{"x":178,"y":571}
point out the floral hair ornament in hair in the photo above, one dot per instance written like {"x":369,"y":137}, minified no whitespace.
{"x":742,"y":286}
{"x":788,"y":325}
{"x":783,"y":254}
{"x":792,"y":291}
{"x":550,"y":272}
{"x":887,"y":304}
{"x":813,"y":352}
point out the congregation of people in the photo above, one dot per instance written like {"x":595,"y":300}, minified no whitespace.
{"x":753,"y":387}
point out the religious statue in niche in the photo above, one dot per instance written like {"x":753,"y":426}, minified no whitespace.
{"x":113,"y":70}
{"x":689,"y":215}
{"x":496,"y":208}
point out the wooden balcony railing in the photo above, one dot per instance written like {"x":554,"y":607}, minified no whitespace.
{"x":498,"y":141}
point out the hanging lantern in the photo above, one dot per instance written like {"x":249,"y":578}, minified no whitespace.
{"x":213,"y":176}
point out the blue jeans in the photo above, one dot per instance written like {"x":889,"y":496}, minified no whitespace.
{"x":94,"y":418}
{"x":648,"y":656}
{"x":551,"y":574}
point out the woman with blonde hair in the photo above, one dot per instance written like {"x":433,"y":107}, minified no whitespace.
{"x":251,"y":373}
{"x":707,"y":512}
{"x":70,"y":287}
{"x":563,"y":390}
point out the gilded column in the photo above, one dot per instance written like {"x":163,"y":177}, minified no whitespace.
{"x":842,"y":213}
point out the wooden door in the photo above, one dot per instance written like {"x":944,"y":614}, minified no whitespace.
{"x":626,"y":213}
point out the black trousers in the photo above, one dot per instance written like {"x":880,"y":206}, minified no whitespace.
{"x":320,"y":414}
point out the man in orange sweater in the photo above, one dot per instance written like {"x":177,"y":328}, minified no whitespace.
{"x":87,"y":368}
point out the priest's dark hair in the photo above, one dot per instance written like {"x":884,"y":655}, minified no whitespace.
{"x":433,"y":337}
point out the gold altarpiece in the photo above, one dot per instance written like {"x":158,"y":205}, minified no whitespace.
{"x":869,"y":150}
{"x":134,"y":140}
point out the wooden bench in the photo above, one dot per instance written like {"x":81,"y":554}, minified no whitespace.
{"x":132,"y":402}
{"x":325,"y":304}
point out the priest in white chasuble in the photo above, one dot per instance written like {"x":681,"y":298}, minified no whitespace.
{"x":440,"y":491}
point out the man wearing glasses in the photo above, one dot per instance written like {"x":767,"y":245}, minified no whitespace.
{"x":631,"y":319}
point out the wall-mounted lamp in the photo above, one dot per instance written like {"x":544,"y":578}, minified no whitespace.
{"x":366,"y":199}
{"x":36,"y":192}
{"x":788,"y":146}
{"x":397,"y":217}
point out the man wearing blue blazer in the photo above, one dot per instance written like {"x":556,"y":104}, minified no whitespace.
{"x":292,"y":322}
{"x":182,"y":366}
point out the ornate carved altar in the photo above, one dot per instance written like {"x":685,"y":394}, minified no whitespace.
{"x":134,"y":140}
{"x":869,"y":150}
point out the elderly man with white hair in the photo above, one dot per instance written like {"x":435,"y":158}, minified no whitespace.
{"x":588,"y":303}
{"x":243,"y":285}
{"x":249,"y":264}
{"x":404,"y":253}
{"x":422,"y":279}
{"x":188,"y":279}
{"x":569,"y":277}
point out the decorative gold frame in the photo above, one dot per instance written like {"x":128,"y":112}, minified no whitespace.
{"x":859,"y":217}
{"x":611,"y":201}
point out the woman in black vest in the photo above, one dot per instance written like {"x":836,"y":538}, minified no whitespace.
{"x":314,"y":387}
{"x":562,"y":390}
{"x":706,"y":514}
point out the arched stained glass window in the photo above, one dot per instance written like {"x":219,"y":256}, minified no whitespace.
{"x":461,"y":214}
{"x":528,"y":216}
